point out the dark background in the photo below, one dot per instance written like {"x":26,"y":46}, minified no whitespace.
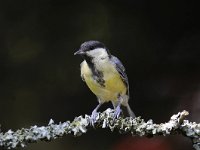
{"x":158,"y":43}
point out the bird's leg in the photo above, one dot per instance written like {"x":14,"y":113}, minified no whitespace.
{"x":118,"y":109}
{"x":94,"y":114}
{"x":114,"y":104}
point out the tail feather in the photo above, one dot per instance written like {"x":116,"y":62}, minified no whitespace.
{"x":130,"y":112}
{"x":126,"y":111}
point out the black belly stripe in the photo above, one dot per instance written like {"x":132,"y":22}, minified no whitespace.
{"x":96,"y":74}
{"x":99,"y":78}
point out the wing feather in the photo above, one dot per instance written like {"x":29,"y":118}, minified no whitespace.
{"x":121,"y":69}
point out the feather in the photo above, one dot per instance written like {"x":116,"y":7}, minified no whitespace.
{"x":121,"y":69}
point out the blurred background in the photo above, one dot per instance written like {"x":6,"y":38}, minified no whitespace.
{"x":157,"y":41}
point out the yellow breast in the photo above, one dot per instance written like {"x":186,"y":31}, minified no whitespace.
{"x":113,"y":82}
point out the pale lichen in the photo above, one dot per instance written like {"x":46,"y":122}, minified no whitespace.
{"x":135,"y":127}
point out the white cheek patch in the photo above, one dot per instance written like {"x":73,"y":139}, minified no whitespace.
{"x":98,"y":52}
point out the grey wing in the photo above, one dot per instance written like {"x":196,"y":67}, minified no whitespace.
{"x":121,"y":69}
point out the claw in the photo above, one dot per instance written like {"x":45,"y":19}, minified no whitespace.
{"x":93,"y":117}
{"x":117,"y":112}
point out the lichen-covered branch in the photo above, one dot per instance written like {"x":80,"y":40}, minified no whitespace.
{"x":136,"y":127}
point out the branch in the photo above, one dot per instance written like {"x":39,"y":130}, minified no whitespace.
{"x":135,"y":127}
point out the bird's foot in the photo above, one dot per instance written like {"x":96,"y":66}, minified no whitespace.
{"x":93,"y":117}
{"x":117,"y":112}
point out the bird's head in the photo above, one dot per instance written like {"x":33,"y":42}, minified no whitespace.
{"x":93,"y":49}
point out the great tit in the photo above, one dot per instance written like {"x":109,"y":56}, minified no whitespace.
{"x":105,"y":76}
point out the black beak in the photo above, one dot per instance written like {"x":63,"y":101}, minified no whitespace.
{"x":79,"y":52}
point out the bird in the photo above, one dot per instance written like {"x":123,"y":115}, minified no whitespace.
{"x":105,"y":76}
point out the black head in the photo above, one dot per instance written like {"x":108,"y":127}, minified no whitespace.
{"x":89,"y":46}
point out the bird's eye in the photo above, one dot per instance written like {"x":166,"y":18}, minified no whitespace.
{"x":91,"y":48}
